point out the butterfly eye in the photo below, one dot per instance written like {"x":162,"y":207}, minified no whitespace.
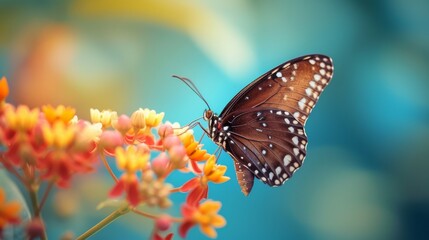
{"x":207,"y":114}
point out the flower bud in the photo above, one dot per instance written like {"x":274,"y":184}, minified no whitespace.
{"x":122,"y":124}
{"x":4,"y":89}
{"x":109,"y":140}
{"x":160,"y":164}
{"x":165,"y":130}
{"x":138,"y":119}
{"x":177,"y":156}
{"x":171,"y":141}
{"x":142,"y":147}
{"x":163,"y":223}
{"x":35,"y":229}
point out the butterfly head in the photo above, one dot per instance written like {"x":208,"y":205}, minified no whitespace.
{"x":208,"y":114}
{"x":213,"y":122}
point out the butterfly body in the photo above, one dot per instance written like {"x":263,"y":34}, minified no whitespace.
{"x":262,"y":127}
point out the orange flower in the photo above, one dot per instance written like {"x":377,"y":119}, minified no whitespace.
{"x":198,"y":186}
{"x":9,"y":211}
{"x":142,"y":121}
{"x":129,"y":160}
{"x":22,"y":118}
{"x":19,"y":133}
{"x":69,"y":151}
{"x":60,"y":113}
{"x":193,"y":148}
{"x":59,"y":135}
{"x":214,"y":172}
{"x":205,"y":215}
{"x":4,"y":89}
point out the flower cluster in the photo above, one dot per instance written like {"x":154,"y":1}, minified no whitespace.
{"x":133,"y":140}
{"x":45,"y":143}
{"x":49,"y":145}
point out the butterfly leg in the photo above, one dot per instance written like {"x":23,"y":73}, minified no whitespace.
{"x":201,"y":126}
{"x":218,"y":152}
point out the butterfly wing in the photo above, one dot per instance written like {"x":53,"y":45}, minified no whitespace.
{"x":281,"y":99}
{"x":294,"y":86}
{"x":266,"y":143}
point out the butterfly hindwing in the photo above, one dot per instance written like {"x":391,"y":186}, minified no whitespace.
{"x":270,"y":143}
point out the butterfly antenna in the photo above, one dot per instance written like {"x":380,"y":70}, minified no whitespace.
{"x":194,"y":88}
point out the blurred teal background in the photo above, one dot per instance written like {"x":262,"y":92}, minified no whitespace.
{"x":366,"y":173}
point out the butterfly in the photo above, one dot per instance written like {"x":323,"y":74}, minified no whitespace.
{"x":262,"y":127}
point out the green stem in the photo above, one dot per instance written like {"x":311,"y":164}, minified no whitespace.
{"x":106,"y":164}
{"x":106,"y":221}
{"x":153,"y":216}
{"x":32,"y":190}
{"x":45,"y":195}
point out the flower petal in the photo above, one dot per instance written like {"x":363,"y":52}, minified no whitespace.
{"x":208,"y":231}
{"x":218,"y":221}
{"x":117,"y":190}
{"x":189,"y":185}
{"x":133,"y":196}
{"x":196,"y":167}
{"x":196,"y":195}
{"x":184,"y":228}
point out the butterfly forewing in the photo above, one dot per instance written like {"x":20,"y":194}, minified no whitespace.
{"x":294,"y":86}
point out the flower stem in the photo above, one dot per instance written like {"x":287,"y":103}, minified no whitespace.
{"x":153,"y":216}
{"x":45,"y":195}
{"x":12,"y":170}
{"x":106,"y":221}
{"x":173,"y":190}
{"x":106,"y":164}
{"x":32,"y":191}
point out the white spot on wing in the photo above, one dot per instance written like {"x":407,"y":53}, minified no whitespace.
{"x":308,"y":91}
{"x":317,"y":77}
{"x":296,"y":151}
{"x":286,"y":160}
{"x":301,"y":103}
{"x":295,"y":140}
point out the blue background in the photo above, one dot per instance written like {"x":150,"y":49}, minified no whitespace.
{"x":365,"y":175}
